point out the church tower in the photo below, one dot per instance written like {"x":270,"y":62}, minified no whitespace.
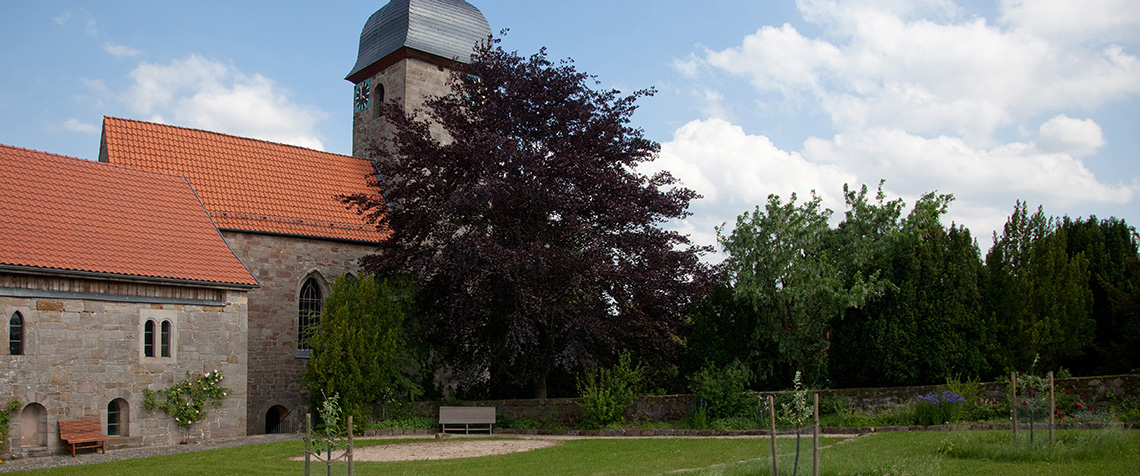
{"x":408,"y":50}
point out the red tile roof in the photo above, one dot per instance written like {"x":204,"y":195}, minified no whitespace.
{"x":250,"y":184}
{"x":64,"y":213}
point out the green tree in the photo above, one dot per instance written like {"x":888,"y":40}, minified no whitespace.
{"x":1037,"y":296}
{"x":1114,"y":280}
{"x":359,"y":348}
{"x":927,"y":325}
{"x":788,"y":264}
{"x":723,"y":329}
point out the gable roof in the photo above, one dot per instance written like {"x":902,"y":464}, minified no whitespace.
{"x":249,"y":184}
{"x":68,"y":214}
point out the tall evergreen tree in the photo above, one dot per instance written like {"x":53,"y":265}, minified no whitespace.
{"x":927,"y":325}
{"x":360,"y":347}
{"x":1114,"y":280}
{"x":1037,"y":296}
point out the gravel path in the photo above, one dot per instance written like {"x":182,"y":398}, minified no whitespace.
{"x":89,"y":457}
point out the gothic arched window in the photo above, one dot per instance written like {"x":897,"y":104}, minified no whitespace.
{"x":309,"y":305}
{"x":16,"y":334}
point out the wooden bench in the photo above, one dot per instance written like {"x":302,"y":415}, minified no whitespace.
{"x":467,"y":416}
{"x":83,"y":433}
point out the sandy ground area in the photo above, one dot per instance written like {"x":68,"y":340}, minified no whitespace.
{"x":433,"y":449}
{"x":445,"y":449}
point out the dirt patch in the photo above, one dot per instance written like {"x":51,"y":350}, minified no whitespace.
{"x":445,"y":449}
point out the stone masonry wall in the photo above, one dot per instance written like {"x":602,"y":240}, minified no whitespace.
{"x":282,"y":264}
{"x":81,"y":354}
{"x":410,"y":82}
{"x":674,"y":408}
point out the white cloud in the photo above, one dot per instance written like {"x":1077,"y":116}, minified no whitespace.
{"x":91,"y":28}
{"x":197,"y":92}
{"x":923,"y":94}
{"x":1115,"y":20}
{"x":688,"y":67}
{"x":712,"y":105}
{"x":1076,"y":137}
{"x":735,"y":171}
{"x":62,"y":18}
{"x":74,"y":124}
{"x":119,"y":51}
{"x":966,"y":78}
{"x":912,"y":165}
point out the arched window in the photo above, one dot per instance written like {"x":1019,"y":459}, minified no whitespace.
{"x":114,"y":417}
{"x":148,"y":338}
{"x":16,"y":334}
{"x":377,"y":99}
{"x":165,"y":338}
{"x":309,"y":306}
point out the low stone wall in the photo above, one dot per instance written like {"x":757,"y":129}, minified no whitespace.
{"x":673,"y":408}
{"x":827,"y":430}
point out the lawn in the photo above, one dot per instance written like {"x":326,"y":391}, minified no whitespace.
{"x":1085,"y":452}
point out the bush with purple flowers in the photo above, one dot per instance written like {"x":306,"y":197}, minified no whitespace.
{"x":938,"y":408}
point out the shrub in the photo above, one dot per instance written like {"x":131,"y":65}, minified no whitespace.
{"x":699,"y":417}
{"x":360,"y":346}
{"x":937,"y":408}
{"x":608,"y":393}
{"x":724,"y":390}
{"x":406,"y":423}
{"x":6,"y":411}
{"x":987,"y":410}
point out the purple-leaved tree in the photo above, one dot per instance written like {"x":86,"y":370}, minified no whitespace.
{"x":536,"y":245}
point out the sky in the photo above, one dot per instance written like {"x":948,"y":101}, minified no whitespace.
{"x":991,"y":101}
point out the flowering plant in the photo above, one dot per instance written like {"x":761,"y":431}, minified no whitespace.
{"x":6,"y":411}
{"x":937,"y":408}
{"x":186,"y":401}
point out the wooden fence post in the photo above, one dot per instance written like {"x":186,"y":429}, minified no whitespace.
{"x":1052,"y":408}
{"x":815,"y":440}
{"x":348,"y":452}
{"x":308,"y":437}
{"x":772,"y":420}
{"x":1013,"y":403}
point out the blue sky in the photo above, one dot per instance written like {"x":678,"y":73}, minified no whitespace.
{"x":992,"y":101}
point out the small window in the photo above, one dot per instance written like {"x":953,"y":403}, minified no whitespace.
{"x":165,"y":338}
{"x":113,"y":418}
{"x":148,"y":338}
{"x":377,"y":99}
{"x":16,"y":334}
{"x":309,"y":311}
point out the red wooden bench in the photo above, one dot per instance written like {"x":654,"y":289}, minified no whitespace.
{"x":83,"y":433}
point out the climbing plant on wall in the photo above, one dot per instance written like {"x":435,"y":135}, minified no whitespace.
{"x":186,"y":401}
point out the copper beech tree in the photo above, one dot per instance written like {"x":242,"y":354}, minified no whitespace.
{"x":536,"y":245}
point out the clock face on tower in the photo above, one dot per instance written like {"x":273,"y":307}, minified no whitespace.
{"x":360,"y":95}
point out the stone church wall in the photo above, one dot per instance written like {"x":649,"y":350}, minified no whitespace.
{"x":82,"y":351}
{"x":411,"y":82}
{"x":282,"y":264}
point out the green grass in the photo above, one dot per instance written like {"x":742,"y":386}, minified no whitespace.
{"x":1079,"y":452}
{"x":632,"y":456}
